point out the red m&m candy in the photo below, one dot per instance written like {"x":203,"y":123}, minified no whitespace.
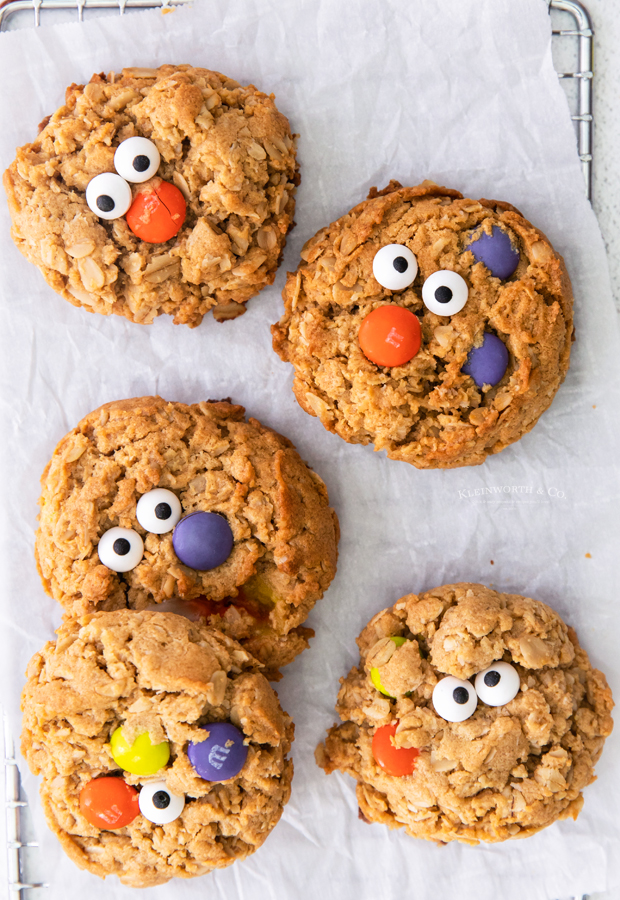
{"x":157,"y":213}
{"x":393,"y":760}
{"x":390,"y":336}
{"x":109,"y":802}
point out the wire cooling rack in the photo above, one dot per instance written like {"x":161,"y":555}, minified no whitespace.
{"x":572,"y":56}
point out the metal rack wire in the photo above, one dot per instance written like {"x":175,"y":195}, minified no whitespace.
{"x":573,"y":43}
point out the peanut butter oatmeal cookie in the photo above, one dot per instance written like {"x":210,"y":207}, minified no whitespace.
{"x":155,"y":191}
{"x":435,"y":327}
{"x":472,"y":716}
{"x":163,"y":750}
{"x":147,"y":502}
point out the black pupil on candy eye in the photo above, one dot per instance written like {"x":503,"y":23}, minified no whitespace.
{"x":163,"y":511}
{"x":161,"y":800}
{"x":141,"y":163}
{"x":105,"y":203}
{"x":400,"y":264}
{"x":121,"y":546}
{"x":443,"y":294}
{"x":492,"y":678}
{"x":461,"y":695}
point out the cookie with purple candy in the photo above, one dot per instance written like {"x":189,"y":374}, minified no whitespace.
{"x":188,"y":509}
{"x":435,"y":327}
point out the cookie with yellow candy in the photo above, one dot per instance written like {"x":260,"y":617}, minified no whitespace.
{"x":163,"y":749}
{"x":472,"y":716}
{"x":190,"y":509}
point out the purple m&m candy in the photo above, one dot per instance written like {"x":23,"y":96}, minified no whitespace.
{"x":222,"y":755}
{"x":495,"y":250}
{"x":486,"y":364}
{"x":202,"y":540}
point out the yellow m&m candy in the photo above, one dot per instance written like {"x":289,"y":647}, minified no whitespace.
{"x":140,"y":758}
{"x":374,"y":672}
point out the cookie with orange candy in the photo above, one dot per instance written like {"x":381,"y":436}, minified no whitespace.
{"x":472,"y":716}
{"x":435,"y":327}
{"x":153,"y":191}
{"x":162,"y":748}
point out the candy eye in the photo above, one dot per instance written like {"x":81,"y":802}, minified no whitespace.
{"x":454,"y":700}
{"x":137,"y":159}
{"x":395,"y":267}
{"x":158,"y":511}
{"x":159,"y":805}
{"x":499,"y":684}
{"x":108,"y":195}
{"x":120,"y":549}
{"x":444,"y":292}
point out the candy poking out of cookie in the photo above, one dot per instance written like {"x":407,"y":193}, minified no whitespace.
{"x":496,"y":251}
{"x":215,"y":794}
{"x":157,"y":191}
{"x":222,"y":755}
{"x":109,"y":803}
{"x":141,"y":756}
{"x":150,"y":504}
{"x":482,"y":722}
{"x":157,"y":213}
{"x":436,"y":327}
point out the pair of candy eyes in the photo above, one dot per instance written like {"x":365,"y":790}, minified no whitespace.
{"x":201,"y":540}
{"x":444,"y":292}
{"x":456,"y":700}
{"x":136,"y":160}
{"x":158,"y":511}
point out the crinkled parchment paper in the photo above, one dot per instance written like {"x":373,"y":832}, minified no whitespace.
{"x":463,"y":93}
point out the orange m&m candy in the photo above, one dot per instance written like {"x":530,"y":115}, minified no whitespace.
{"x":390,"y":335}
{"x":393,"y":760}
{"x":157,"y":213}
{"x":109,"y":802}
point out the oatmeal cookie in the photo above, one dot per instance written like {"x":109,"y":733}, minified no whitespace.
{"x":435,"y":327}
{"x":472,"y":716}
{"x":162,"y":689}
{"x":222,"y":152}
{"x":233,"y":490}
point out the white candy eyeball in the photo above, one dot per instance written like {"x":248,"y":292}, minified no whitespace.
{"x":158,"y":511}
{"x":137,"y":159}
{"x":108,"y":195}
{"x":454,"y":700}
{"x":159,"y":805}
{"x":395,"y":267}
{"x":499,"y":684}
{"x":445,"y":292}
{"x":120,"y":549}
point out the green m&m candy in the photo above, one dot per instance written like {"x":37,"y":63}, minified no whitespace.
{"x":140,"y":758}
{"x":374,"y":672}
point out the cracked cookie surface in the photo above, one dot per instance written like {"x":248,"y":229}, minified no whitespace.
{"x":225,"y":147}
{"x":506,"y":771}
{"x":162,"y":674}
{"x":285,"y":533}
{"x":426,"y":412}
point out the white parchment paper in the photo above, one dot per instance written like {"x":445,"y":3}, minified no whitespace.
{"x":464,"y":93}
